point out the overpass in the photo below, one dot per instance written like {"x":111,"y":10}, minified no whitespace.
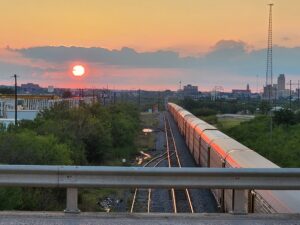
{"x":74,"y":177}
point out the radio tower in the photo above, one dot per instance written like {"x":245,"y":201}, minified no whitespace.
{"x":269,"y":71}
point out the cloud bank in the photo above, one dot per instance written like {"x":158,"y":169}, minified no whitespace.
{"x":229,"y":63}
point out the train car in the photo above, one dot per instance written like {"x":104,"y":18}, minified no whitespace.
{"x":182,"y":121}
{"x":199,"y":130}
{"x":212,"y":148}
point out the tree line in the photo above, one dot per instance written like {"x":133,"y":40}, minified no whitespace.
{"x":87,"y":135}
{"x":281,"y":146}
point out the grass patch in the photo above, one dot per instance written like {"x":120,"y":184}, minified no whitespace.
{"x":212,"y":119}
{"x":227,"y":123}
{"x":149,"y":120}
{"x":147,"y":142}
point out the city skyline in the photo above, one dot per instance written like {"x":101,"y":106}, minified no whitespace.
{"x":148,"y":45}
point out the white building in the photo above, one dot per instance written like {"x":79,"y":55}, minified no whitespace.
{"x":29,"y":106}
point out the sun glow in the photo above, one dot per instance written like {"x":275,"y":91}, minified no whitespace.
{"x":78,"y":70}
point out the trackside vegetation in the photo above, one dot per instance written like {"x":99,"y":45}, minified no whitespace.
{"x":87,"y":135}
{"x":282,"y":147}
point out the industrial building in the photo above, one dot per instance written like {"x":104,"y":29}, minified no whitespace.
{"x":28,"y":106}
{"x":190,"y":90}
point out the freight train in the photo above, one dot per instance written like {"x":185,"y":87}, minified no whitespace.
{"x":212,"y":148}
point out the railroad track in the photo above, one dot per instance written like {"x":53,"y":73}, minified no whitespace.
{"x":180,"y":198}
{"x":141,"y":201}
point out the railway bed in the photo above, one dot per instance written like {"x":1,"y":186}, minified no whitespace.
{"x":179,"y":200}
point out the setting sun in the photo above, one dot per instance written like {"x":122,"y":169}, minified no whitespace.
{"x":78,"y":70}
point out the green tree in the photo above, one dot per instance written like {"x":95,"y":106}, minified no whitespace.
{"x":6,"y":90}
{"x":26,"y":147}
{"x":264,"y":107}
{"x":88,"y":134}
{"x":282,"y":149}
{"x":284,"y":117}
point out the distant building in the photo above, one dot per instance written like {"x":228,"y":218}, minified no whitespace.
{"x":277,"y":90}
{"x":281,"y":82}
{"x":298,"y":91}
{"x":190,"y":90}
{"x":282,"y":92}
{"x":269,"y":92}
{"x":30,"y":88}
{"x":248,"y":88}
{"x":240,"y":93}
{"x":50,"y":89}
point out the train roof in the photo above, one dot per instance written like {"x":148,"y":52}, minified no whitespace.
{"x":226,"y":146}
{"x":184,"y":113}
{"x":211,"y":135}
{"x":201,"y":127}
{"x":249,"y":159}
{"x":174,"y":106}
{"x":193,"y":121}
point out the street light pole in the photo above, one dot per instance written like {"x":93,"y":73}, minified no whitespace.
{"x":16,"y":100}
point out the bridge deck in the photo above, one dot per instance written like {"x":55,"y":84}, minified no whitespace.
{"x":43,"y":218}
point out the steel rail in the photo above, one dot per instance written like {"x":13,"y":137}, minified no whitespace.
{"x":179,"y":163}
{"x":187,"y":193}
{"x":149,"y":190}
{"x":170,"y":165}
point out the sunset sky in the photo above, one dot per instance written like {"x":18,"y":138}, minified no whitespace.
{"x":147,"y":44}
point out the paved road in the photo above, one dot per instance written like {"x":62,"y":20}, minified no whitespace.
{"x":22,"y":218}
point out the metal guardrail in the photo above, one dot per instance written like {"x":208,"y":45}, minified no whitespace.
{"x":73,"y":177}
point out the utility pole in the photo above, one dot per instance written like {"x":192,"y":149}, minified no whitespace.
{"x":81,"y":95}
{"x":290,"y":94}
{"x":257,"y":83}
{"x":158,"y":99}
{"x":16,"y":100}
{"x":139,"y":98}
{"x":94,"y":96}
{"x":275,"y":97}
{"x":298,"y":90}
{"x":104,"y":97}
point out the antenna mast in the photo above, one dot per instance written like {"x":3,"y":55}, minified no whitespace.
{"x":269,"y":71}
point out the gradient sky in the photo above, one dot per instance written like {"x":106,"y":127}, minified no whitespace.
{"x":187,"y":27}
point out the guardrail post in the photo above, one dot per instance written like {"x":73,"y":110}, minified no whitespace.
{"x":72,"y":201}
{"x":240,"y":201}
